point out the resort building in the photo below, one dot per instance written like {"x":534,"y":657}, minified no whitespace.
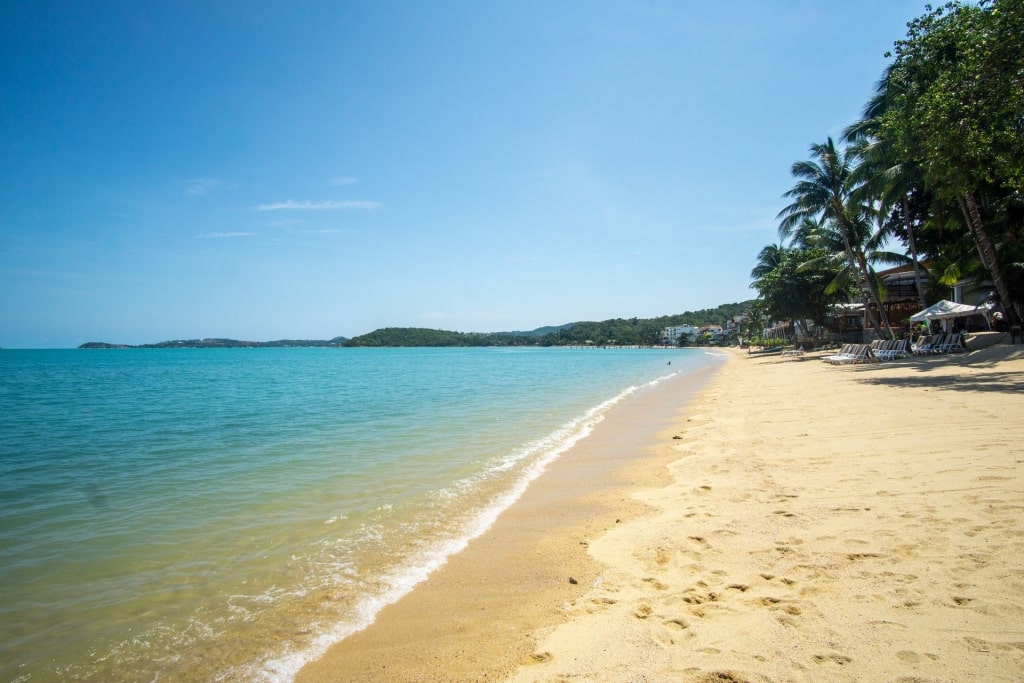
{"x":673,"y":335}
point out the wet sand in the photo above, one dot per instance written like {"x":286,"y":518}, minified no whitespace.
{"x":795,"y":522}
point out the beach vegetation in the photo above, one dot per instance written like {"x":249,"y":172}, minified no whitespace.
{"x":935,"y":167}
{"x":955,"y":106}
{"x":802,"y":283}
{"x":824,"y":195}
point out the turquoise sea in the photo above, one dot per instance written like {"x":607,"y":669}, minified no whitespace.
{"x":227,"y":514}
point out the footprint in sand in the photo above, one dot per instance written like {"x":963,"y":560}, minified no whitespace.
{"x":699,"y":542}
{"x":777,"y":604}
{"x":718,"y":677}
{"x":853,"y":557}
{"x":643,"y":611}
{"x":595,"y":604}
{"x":678,"y":622}
{"x":887,"y":624}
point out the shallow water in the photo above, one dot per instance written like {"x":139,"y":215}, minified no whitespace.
{"x":226,"y":514}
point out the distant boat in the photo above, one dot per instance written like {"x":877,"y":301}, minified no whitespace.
{"x":767,"y":351}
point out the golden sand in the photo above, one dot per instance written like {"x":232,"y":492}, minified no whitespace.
{"x":797,"y":522}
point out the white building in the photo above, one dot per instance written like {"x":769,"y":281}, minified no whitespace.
{"x":672,"y":335}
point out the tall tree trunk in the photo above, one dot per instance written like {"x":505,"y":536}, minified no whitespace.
{"x":844,"y":232}
{"x":918,"y":280}
{"x":860,"y":266}
{"x":872,"y":287}
{"x":987,"y":252}
{"x":856,"y":269}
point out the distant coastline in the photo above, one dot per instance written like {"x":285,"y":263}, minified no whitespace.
{"x":615,"y":332}
{"x":221,"y":344}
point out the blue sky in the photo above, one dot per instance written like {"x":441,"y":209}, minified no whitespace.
{"x":262,"y":170}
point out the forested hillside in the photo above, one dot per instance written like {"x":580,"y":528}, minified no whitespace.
{"x":626,"y":332}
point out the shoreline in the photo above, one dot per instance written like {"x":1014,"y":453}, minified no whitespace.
{"x":527,"y":567}
{"x":796,"y":522}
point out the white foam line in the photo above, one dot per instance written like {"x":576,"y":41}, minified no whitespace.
{"x":401,"y":581}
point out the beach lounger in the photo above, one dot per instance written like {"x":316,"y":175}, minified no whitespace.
{"x":799,"y":351}
{"x":922,"y":345}
{"x":859,"y":353}
{"x":896,"y":348}
{"x":928,"y":345}
{"x":844,"y":352}
{"x":953,"y":344}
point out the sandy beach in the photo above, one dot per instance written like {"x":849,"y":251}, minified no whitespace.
{"x":793,"y":521}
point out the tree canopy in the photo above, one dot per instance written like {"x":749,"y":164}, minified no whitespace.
{"x":935,"y":165}
{"x":617,"y":331}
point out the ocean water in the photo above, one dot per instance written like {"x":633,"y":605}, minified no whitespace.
{"x":227,"y":514}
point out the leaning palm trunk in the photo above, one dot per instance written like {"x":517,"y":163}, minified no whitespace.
{"x":872,"y":286}
{"x":987,"y":252}
{"x":855,"y":267}
{"x":918,"y":279}
{"x":859,"y":266}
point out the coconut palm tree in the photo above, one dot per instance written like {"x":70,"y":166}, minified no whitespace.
{"x":768,"y":260}
{"x":823,"y":193}
{"x":825,"y":238}
{"x":883,"y":177}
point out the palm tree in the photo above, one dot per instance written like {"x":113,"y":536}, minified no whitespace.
{"x":768,"y":260}
{"x":883,"y":177}
{"x":823,"y":193}
{"x":826,"y":238}
{"x":756,"y":319}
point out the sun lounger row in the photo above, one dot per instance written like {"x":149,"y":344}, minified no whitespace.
{"x":890,"y":349}
{"x":851,"y":353}
{"x":939,"y":343}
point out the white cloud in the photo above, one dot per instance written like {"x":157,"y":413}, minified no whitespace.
{"x":341,"y":181}
{"x":200,"y":186}
{"x":324,"y":231}
{"x":306,"y":205}
{"x":220,"y":235}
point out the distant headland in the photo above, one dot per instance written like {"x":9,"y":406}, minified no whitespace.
{"x":220,"y":344}
{"x":615,"y":332}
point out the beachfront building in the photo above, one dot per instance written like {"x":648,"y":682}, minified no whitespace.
{"x":902,"y":300}
{"x":713,"y":333}
{"x":673,"y":335}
